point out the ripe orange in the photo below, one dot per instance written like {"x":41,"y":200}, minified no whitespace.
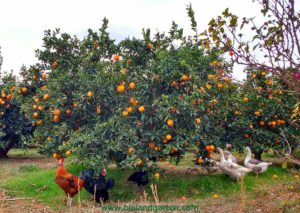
{"x":125,"y":113}
{"x":56,"y":118}
{"x":13,"y":88}
{"x":24,"y":90}
{"x":40,"y":122}
{"x":46,"y":96}
{"x":36,"y":100}
{"x":219,"y":86}
{"x":75,"y":105}
{"x":263,"y":73}
{"x":184,"y":77}
{"x":132,"y":85}
{"x":41,"y":108}
{"x":130,"y":150}
{"x":3,"y":95}
{"x":168,"y":137}
{"x":245,"y":99}
{"x":68,"y":153}
{"x":141,"y":109}
{"x":157,"y":175}
{"x":56,"y":112}
{"x":262,"y":123}
{"x":90,"y":94}
{"x":256,"y":113}
{"x":199,"y":160}
{"x":202,"y":90}
{"x":129,"y":109}
{"x":151,"y":145}
{"x":149,"y":46}
{"x":34,"y":107}
{"x":120,"y":88}
{"x":165,"y":141}
{"x":139,"y":162}
{"x":198,"y":121}
{"x":170,"y":122}
{"x":211,"y":147}
{"x":55,"y":155}
{"x":44,"y":76}
{"x":35,"y":114}
{"x":34,"y":77}
{"x":68,"y":112}
{"x":9,"y":96}
{"x":116,"y":57}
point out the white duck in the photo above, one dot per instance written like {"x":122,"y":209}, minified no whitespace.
{"x":228,"y":155}
{"x":257,"y":166}
{"x":230,"y":168}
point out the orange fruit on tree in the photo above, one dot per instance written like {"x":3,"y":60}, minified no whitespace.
{"x":3,"y":95}
{"x":68,"y":153}
{"x":262,"y":123}
{"x":245,"y":99}
{"x":120,"y":88}
{"x":44,"y":76}
{"x":170,"y":122}
{"x":132,"y":85}
{"x":141,"y":109}
{"x":36,"y":99}
{"x":151,"y":145}
{"x":39,"y":122}
{"x":198,"y":121}
{"x":168,"y":137}
{"x":130,"y":150}
{"x":75,"y":105}
{"x":219,"y":86}
{"x":202,"y":90}
{"x":125,"y":113}
{"x":46,"y":96}
{"x":257,"y":113}
{"x":157,"y":175}
{"x":68,"y":112}
{"x":55,"y":155}
{"x":34,"y":107}
{"x":263,"y":73}
{"x":13,"y":88}
{"x":35,"y":114}
{"x":56,"y":118}
{"x":199,"y":160}
{"x":90,"y":94}
{"x":129,"y":109}
{"x":149,"y":46}
{"x":35,"y":77}
{"x":139,"y":162}
{"x":211,"y":147}
{"x":41,"y":108}
{"x":24,"y":89}
{"x":165,"y":141}
{"x":184,"y":77}
{"x":215,"y":196}
{"x":9,"y":96}
{"x":57,"y":112}
{"x":116,"y":57}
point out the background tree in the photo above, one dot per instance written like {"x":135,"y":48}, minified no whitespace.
{"x":14,"y":126}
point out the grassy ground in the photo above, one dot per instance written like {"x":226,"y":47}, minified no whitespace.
{"x":33,"y":176}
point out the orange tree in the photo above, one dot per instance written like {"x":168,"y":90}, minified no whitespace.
{"x":14,"y":126}
{"x":137,"y":101}
{"x":276,"y":67}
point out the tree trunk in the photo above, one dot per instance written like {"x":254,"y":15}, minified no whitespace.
{"x":3,"y":153}
{"x":257,"y":155}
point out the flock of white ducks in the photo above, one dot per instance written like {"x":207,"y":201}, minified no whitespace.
{"x":230,"y":167}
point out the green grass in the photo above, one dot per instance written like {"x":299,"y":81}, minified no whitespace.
{"x":30,"y":153}
{"x":31,"y":183}
{"x":31,"y":180}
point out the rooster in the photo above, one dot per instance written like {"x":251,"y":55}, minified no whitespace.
{"x":98,"y":187}
{"x":69,"y":183}
{"x":139,"y":177}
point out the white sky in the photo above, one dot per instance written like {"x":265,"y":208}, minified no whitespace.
{"x":22,"y":22}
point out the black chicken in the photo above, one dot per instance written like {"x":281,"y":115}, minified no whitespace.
{"x":98,"y":187}
{"x":139,"y":177}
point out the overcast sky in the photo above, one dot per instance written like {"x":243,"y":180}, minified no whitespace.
{"x":22,"y":22}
